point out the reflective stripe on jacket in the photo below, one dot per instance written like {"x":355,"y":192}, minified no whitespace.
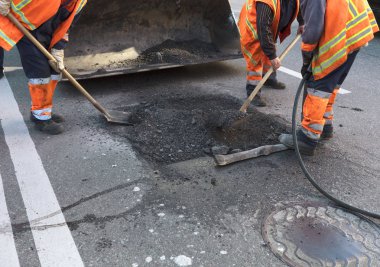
{"x":32,"y":14}
{"x":348,"y":25}
{"x":74,"y":7}
{"x":248,"y":26}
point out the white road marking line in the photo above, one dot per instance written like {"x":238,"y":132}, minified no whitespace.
{"x":8,"y":252}
{"x":291,"y":72}
{"x":54,"y":243}
{"x":9,"y":69}
{"x":299,"y":76}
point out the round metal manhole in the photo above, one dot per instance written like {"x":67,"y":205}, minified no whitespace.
{"x":309,"y":234}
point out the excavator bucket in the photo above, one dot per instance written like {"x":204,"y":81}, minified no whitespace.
{"x":125,"y":36}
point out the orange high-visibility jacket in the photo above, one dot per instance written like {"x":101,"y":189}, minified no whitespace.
{"x":32,"y":14}
{"x":348,"y":26}
{"x":248,"y":24}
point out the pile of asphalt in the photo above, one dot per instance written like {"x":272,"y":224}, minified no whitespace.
{"x":175,"y":52}
{"x":178,"y":128}
{"x":172,"y":52}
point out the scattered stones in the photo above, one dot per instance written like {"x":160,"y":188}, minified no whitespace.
{"x":183,"y":260}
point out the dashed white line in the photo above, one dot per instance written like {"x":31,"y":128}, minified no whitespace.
{"x":8,"y":252}
{"x":53,"y":240}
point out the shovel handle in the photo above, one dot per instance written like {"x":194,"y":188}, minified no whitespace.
{"x":50,"y":57}
{"x":266,"y":76}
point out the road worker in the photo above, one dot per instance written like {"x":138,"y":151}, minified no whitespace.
{"x":261,"y":22}
{"x":335,"y":30}
{"x":48,"y":21}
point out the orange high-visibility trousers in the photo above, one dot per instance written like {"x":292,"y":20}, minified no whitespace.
{"x":41,"y":94}
{"x":314,"y":109}
{"x":257,"y":69}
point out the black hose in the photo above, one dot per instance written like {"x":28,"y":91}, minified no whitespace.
{"x":306,"y":172}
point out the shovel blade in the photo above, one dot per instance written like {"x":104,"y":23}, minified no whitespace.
{"x":118,"y":117}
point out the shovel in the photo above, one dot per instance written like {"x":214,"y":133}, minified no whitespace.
{"x":266,"y":76}
{"x":114,"y":116}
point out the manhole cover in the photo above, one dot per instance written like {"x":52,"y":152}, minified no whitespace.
{"x":309,"y":234}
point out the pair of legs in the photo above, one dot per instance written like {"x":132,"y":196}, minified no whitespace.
{"x":42,"y":81}
{"x":256,"y":69}
{"x":317,"y":112}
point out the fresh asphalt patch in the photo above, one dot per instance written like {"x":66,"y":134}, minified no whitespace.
{"x":182,"y":127}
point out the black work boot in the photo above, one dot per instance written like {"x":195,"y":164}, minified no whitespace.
{"x":275,"y":84}
{"x":55,"y":117}
{"x":305,"y":144}
{"x":258,"y":101}
{"x":1,"y":73}
{"x":48,"y":126}
{"x":327,"y":133}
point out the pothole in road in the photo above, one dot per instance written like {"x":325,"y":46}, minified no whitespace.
{"x":178,"y":128}
{"x":308,"y":234}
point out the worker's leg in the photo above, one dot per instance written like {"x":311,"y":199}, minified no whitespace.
{"x":252,"y":55}
{"x":1,"y":62}
{"x":38,"y":71}
{"x":254,"y":76}
{"x":272,"y":80}
{"x":328,"y":128}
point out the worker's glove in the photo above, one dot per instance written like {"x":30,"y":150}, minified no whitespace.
{"x":59,"y":55}
{"x":276,"y":63}
{"x":5,"y":6}
{"x":306,"y":66}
